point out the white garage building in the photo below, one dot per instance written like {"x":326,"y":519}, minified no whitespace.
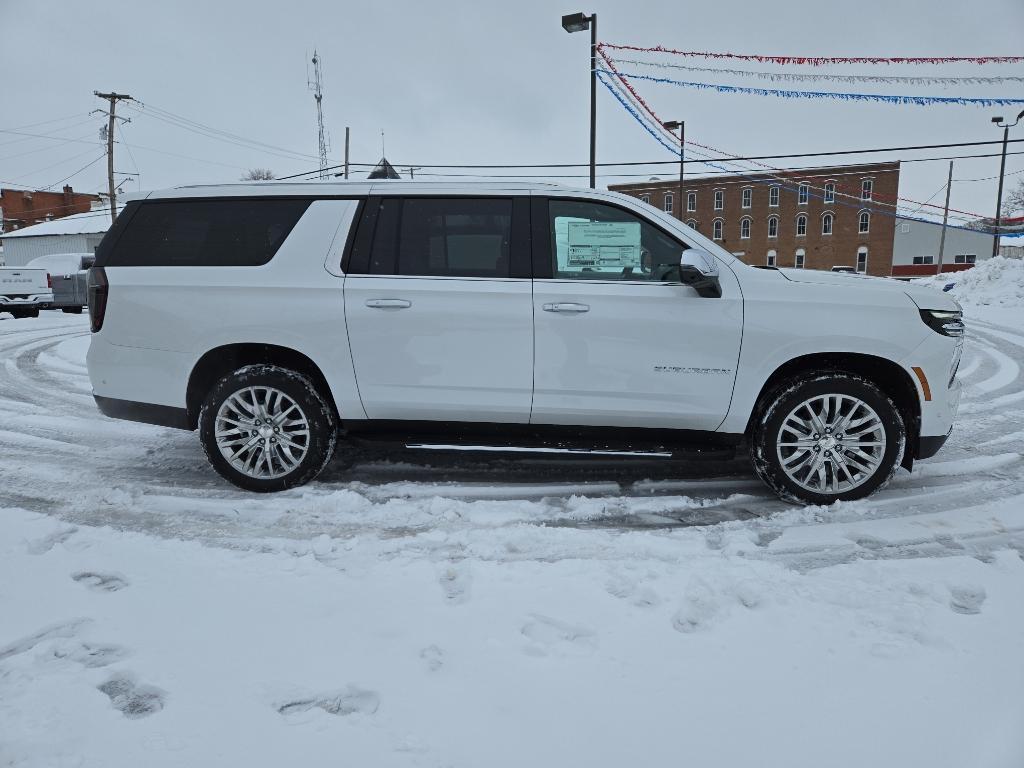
{"x":79,"y":233}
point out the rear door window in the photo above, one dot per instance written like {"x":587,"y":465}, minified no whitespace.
{"x":242,"y":232}
{"x":443,"y":237}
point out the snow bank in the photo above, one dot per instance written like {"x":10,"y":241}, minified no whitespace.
{"x":994,"y":282}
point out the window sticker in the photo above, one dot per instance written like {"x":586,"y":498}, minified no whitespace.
{"x":601,"y":246}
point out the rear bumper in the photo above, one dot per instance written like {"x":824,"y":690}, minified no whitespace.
{"x":147,"y":413}
{"x":35,"y":301}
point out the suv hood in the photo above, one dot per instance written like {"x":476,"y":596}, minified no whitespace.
{"x":923,"y":296}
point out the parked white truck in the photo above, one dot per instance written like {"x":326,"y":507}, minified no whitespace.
{"x":280,"y":318}
{"x":25,"y":290}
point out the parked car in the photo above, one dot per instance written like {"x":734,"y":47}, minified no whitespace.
{"x":280,"y":319}
{"x":68,"y":277}
{"x":24,"y":291}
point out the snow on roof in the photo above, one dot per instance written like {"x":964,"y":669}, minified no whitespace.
{"x":89,"y":223}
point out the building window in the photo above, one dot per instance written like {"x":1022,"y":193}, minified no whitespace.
{"x":803,"y":193}
{"x":924,"y":260}
{"x":862,"y":259}
{"x":692,"y":223}
{"x":826,"y":224}
{"x":798,"y":261}
{"x":864,"y":224}
{"x":904,"y":228}
{"x":773,"y":197}
{"x":691,"y":201}
{"x":719,"y":199}
{"x":773,"y":226}
{"x":866,"y":188}
{"x":747,"y":199}
{"x":965,"y":258}
{"x":716,"y":230}
{"x":645,"y":199}
{"x":745,"y":228}
{"x":801,"y":225}
{"x":770,"y":260}
{"x":830,"y":192}
{"x":668,"y":202}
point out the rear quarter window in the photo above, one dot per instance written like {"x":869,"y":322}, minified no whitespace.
{"x":244,"y":232}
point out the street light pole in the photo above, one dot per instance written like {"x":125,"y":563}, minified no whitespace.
{"x":1002,"y":173}
{"x":577,"y":22}
{"x":681,"y":125}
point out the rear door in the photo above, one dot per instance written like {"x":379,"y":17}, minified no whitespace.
{"x":620,"y":341}
{"x":438,"y":304}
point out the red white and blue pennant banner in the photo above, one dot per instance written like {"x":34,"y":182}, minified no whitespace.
{"x":818,"y":61}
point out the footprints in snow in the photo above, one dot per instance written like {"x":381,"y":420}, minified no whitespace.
{"x":433,"y":657}
{"x":349,"y":701}
{"x":46,"y":543}
{"x":547,"y":635}
{"x":132,"y":699}
{"x":966,"y":599}
{"x":454,"y":583}
{"x":101,"y":582}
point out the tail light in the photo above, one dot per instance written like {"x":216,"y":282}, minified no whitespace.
{"x":49,"y":281}
{"x":98,"y":289}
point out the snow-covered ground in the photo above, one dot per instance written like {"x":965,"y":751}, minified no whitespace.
{"x":501,"y":613}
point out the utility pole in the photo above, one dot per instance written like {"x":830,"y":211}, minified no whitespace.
{"x":113,"y":98}
{"x":319,"y":97}
{"x":1002,"y":173}
{"x":346,"y":151}
{"x":945,"y":218}
{"x":412,"y":171}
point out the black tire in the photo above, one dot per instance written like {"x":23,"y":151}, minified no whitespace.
{"x":303,"y":392}
{"x":21,"y":313}
{"x":777,"y":406}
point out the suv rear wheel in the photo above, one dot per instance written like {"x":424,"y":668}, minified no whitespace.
{"x":266,"y":428}
{"x":832,"y":437}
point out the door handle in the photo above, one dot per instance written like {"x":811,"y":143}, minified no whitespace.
{"x":568,"y":307}
{"x":388,"y":303}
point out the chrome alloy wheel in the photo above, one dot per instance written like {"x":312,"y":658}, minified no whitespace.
{"x":262,"y":432}
{"x":831,"y":443}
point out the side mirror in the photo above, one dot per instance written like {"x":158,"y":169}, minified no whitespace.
{"x":699,"y":270}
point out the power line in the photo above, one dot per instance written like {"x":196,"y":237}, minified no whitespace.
{"x":48,"y":135}
{"x":60,"y":162}
{"x":87,"y":165}
{"x":41,"y":122}
{"x":216,"y":133}
{"x":831,"y":153}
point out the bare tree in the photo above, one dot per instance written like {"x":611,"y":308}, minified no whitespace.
{"x":258,"y":174}
{"x":1014,"y":200}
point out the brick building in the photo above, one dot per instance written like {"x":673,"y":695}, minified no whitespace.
{"x":817,"y":218}
{"x":22,"y":207}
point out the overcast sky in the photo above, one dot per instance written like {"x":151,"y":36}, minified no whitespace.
{"x":471,"y":82}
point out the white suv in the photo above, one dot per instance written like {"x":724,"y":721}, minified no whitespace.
{"x":279,"y":319}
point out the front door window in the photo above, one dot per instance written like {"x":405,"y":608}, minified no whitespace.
{"x":593,"y":241}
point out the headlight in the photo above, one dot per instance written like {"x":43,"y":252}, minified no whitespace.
{"x":943,"y":321}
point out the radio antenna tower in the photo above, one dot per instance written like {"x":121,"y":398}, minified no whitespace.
{"x":318,"y":95}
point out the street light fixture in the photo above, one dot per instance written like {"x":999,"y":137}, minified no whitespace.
{"x":579,"y":22}
{"x":1002,"y":172}
{"x":681,"y":125}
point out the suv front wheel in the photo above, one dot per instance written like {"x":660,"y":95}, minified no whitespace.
{"x":831,"y":437}
{"x":266,"y":428}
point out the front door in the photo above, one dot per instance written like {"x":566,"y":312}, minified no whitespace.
{"x":439,"y":314}
{"x":619,"y":340}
